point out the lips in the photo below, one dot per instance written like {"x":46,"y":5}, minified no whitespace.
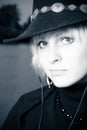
{"x":58,"y":72}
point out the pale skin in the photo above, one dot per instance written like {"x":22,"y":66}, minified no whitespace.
{"x":63,"y":57}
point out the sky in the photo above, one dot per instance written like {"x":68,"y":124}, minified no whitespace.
{"x":24,"y":6}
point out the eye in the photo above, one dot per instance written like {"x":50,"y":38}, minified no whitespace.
{"x":67,"y":40}
{"x":42,"y":44}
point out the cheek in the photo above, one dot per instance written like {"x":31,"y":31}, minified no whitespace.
{"x":42,"y":59}
{"x":77,"y":61}
{"x":83,"y":61}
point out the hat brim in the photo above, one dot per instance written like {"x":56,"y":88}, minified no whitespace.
{"x":50,"y":21}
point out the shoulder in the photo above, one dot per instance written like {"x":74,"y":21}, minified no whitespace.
{"x":27,"y":100}
{"x":31,"y":99}
{"x":32,"y":95}
{"x":27,"y":103}
{"x":36,"y":94}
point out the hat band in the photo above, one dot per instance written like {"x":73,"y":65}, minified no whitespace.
{"x":57,"y":8}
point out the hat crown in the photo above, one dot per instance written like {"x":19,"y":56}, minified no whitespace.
{"x":48,"y":15}
{"x":41,"y":3}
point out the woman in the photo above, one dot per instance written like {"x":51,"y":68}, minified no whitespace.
{"x":57,"y":35}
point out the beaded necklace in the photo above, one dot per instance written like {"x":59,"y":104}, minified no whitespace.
{"x":63,"y":111}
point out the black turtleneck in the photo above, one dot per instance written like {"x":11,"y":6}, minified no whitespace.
{"x":70,"y":98}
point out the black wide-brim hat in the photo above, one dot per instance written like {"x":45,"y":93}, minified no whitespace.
{"x":49,"y":15}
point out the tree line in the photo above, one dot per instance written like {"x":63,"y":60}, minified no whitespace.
{"x":9,"y":22}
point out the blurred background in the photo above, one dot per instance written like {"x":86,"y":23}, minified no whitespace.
{"x":16,"y":74}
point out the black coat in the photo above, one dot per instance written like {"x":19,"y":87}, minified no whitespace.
{"x":26,"y":113}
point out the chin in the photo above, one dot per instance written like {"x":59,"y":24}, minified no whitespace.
{"x":66,"y":81}
{"x":63,"y":84}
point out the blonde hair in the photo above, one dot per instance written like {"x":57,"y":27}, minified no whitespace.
{"x":35,"y":60}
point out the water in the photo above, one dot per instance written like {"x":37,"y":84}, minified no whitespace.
{"x":16,"y":76}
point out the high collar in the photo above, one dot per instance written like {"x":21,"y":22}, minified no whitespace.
{"x":70,"y":98}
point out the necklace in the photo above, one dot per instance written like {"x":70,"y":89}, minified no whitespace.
{"x":63,"y":111}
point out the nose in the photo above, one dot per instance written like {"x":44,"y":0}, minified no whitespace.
{"x":54,"y":55}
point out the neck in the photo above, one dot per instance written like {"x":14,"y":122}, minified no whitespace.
{"x":71,"y":96}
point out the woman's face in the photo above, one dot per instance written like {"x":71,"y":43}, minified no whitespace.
{"x":63,"y":56}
